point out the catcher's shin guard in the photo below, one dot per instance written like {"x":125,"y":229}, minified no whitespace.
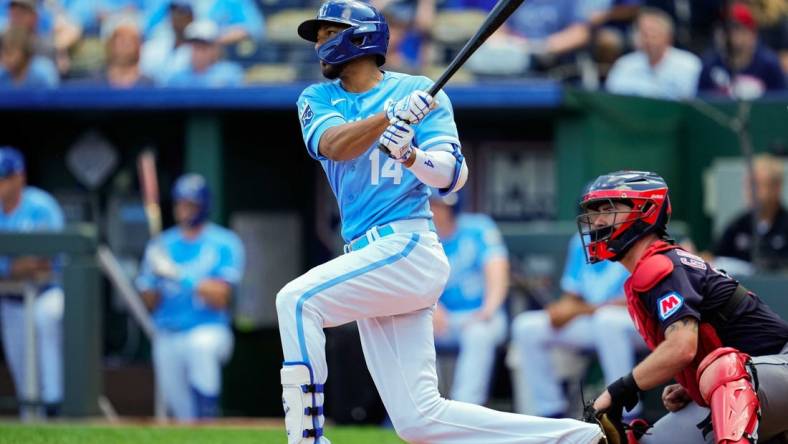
{"x":726,"y":387}
{"x":302,"y":400}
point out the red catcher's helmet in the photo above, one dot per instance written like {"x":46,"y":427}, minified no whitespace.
{"x":644,"y":192}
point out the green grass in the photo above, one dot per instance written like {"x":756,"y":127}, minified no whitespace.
{"x":82,"y":434}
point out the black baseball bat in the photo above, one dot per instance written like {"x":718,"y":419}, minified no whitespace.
{"x":502,"y":10}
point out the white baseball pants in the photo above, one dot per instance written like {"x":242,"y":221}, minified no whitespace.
{"x":609,"y":331}
{"x":390,"y":288}
{"x":48,"y":311}
{"x":190,"y":360}
{"x":477,"y":341}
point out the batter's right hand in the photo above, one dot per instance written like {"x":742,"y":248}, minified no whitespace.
{"x":412,"y":108}
{"x":675,"y":397}
{"x":397,"y":139}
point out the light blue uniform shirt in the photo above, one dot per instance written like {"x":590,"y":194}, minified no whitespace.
{"x":219,"y":75}
{"x":42,"y":73}
{"x":675,"y":77}
{"x":37,"y":211}
{"x":475,"y":242}
{"x":87,"y":13}
{"x":225,"y":13}
{"x":538,"y":19}
{"x":372,"y":189}
{"x":217,"y":253}
{"x":595,"y":283}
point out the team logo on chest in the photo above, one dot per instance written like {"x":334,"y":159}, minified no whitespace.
{"x":669,"y":304}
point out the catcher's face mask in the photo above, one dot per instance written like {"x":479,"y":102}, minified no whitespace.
{"x":601,"y":221}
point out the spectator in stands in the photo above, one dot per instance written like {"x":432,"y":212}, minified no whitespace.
{"x":771,"y":229}
{"x":187,"y":280}
{"x":772,"y":19}
{"x":694,"y":20}
{"x":611,"y":28}
{"x":552,"y":28}
{"x":656,"y":69}
{"x":237,"y":19}
{"x":54,"y":33}
{"x":470,"y":311}
{"x":747,"y":69}
{"x":123,"y":41}
{"x":539,"y":36}
{"x":21,"y":68}
{"x":168,"y":52}
{"x":25,"y":208}
{"x":91,"y":15}
{"x":590,"y":315}
{"x":410,"y":21}
{"x":206,"y":69}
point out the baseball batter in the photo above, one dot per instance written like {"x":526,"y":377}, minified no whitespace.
{"x":25,"y":208}
{"x":725,"y":347}
{"x":187,"y":280}
{"x":394,"y":269}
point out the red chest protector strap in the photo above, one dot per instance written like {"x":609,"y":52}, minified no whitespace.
{"x":650,"y":272}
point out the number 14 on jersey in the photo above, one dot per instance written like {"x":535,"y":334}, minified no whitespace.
{"x":391,"y":168}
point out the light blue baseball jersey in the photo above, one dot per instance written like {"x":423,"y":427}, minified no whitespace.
{"x":216,"y":253}
{"x":37,"y":211}
{"x":372,"y":189}
{"x":474,"y":243}
{"x":225,"y":13}
{"x":596,"y":283}
{"x":221,"y":74}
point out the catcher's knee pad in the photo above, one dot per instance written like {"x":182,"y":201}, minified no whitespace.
{"x":302,"y":401}
{"x":725,"y":386}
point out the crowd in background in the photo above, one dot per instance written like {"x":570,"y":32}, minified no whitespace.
{"x":658,"y":48}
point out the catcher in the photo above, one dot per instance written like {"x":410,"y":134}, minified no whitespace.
{"x":727,"y":350}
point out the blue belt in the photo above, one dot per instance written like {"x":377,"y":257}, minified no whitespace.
{"x":376,"y":233}
{"x":363,"y":241}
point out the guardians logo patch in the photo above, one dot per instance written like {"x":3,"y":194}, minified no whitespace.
{"x":669,"y":304}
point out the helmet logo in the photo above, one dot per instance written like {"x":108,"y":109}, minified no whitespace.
{"x":347,"y":12}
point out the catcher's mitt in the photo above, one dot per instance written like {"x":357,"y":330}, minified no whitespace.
{"x":612,"y":427}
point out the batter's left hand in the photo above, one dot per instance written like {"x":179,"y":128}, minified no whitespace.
{"x":602,"y":403}
{"x":397,"y":139}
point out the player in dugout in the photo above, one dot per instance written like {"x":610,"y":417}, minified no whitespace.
{"x":725,"y":347}
{"x":188,"y":276}
{"x":25,"y":208}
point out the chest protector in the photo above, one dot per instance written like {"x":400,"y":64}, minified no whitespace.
{"x":652,"y":268}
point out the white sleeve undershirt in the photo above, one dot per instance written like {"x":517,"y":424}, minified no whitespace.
{"x":436,"y":168}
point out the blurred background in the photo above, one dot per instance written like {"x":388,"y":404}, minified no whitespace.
{"x":567,"y":90}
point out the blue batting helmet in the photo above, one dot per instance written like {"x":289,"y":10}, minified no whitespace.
{"x":193,"y":188}
{"x":367,"y":32}
{"x":11,"y":162}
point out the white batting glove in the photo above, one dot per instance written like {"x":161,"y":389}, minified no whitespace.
{"x":396,"y":139}
{"x":161,"y":264}
{"x":412,"y":108}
